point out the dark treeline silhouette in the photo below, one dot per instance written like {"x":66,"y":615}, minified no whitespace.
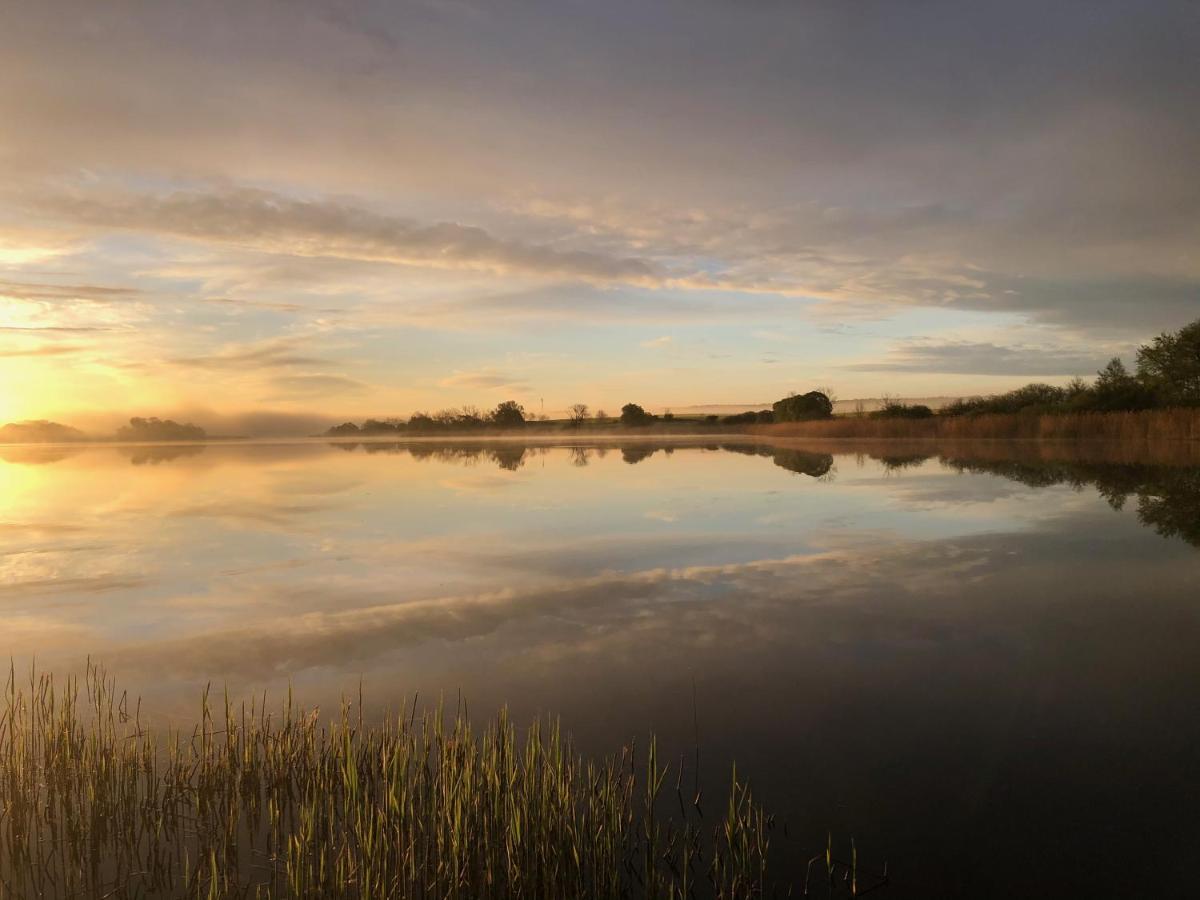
{"x":138,"y":429}
{"x":39,"y":431}
{"x":511,"y":415}
{"x":761,"y":417}
{"x":506,"y":415}
{"x":893,"y":409}
{"x":1167,"y":376}
{"x":154,"y":429}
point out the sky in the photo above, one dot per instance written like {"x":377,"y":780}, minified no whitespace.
{"x":263,"y":214}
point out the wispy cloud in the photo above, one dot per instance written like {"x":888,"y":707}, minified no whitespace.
{"x":275,"y":353}
{"x":66,"y":293}
{"x":982,"y":358}
{"x":658,"y":342}
{"x":44,"y":350}
{"x":271,"y":222}
{"x":486,"y":379}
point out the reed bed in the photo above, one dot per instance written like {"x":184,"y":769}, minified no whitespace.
{"x":262,"y":803}
{"x":1152,"y":426}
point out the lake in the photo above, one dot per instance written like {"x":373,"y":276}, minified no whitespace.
{"x":984,"y":665}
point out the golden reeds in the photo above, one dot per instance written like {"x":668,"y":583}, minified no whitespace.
{"x":261,"y":804}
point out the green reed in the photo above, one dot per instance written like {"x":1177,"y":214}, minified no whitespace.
{"x":257,"y":802}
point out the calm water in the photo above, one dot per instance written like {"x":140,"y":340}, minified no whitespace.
{"x":988,"y":672}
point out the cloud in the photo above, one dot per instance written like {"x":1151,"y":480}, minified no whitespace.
{"x":257,"y":219}
{"x":871,"y":158}
{"x":485,"y":379}
{"x":49,"y":330}
{"x":66,"y":293}
{"x":44,"y":350}
{"x":982,"y":358}
{"x":658,"y":342}
{"x":275,"y":353}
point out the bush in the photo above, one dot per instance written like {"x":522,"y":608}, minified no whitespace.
{"x":893,"y":410}
{"x":762,"y":416}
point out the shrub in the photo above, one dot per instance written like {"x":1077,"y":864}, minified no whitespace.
{"x":894,"y":410}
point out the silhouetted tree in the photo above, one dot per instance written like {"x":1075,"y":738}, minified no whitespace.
{"x":1170,"y":366}
{"x":1115,"y":389}
{"x":509,"y":414}
{"x":798,"y":408}
{"x":893,"y":409}
{"x":39,"y":431}
{"x":381,"y":426}
{"x":633,"y":415}
{"x":155,"y":429}
{"x":579,"y":414}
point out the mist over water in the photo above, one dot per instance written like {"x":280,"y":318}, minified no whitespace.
{"x":982,"y":668}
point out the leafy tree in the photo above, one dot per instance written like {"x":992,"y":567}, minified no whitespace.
{"x":748,"y":418}
{"x":1116,"y":389}
{"x":155,"y":429}
{"x":813,"y":405}
{"x":893,"y":409}
{"x":633,"y":415}
{"x":381,"y":426}
{"x":1032,"y":398}
{"x":509,"y":414}
{"x":1170,"y":366}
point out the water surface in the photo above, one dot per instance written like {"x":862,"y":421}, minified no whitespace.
{"x":986,"y":668}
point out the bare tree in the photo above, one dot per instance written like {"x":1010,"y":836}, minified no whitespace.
{"x":829,"y":392}
{"x":579,"y":414}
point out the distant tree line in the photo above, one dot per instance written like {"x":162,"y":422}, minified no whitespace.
{"x":155,"y":429}
{"x":509,"y":414}
{"x":1167,"y":375}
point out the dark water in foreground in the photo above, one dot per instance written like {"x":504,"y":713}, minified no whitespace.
{"x":985,"y":669}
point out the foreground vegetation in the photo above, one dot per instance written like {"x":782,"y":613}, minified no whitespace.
{"x":255,"y":804}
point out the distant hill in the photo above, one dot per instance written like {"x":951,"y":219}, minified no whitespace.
{"x":39,"y":432}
